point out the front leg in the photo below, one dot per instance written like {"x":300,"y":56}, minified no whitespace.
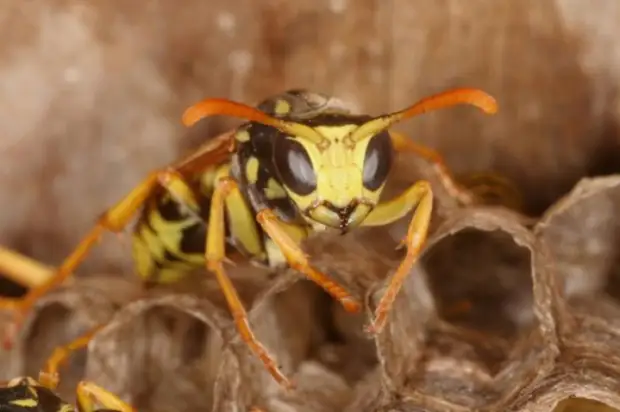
{"x":418,"y":197}
{"x":297,"y":260}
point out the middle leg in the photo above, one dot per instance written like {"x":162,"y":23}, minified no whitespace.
{"x":215,"y":256}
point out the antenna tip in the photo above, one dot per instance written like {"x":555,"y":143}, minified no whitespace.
{"x":483,"y":101}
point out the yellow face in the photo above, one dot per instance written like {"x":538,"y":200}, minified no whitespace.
{"x":338,"y":181}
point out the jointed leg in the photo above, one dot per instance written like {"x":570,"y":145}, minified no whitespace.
{"x":297,"y":260}
{"x":215,"y":255}
{"x":49,"y":375}
{"x":22,"y":269}
{"x":418,"y":197}
{"x":114,"y":220}
{"x":475,"y":187}
{"x":404,"y":144}
{"x":90,"y":394}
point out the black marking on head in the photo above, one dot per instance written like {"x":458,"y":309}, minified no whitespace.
{"x":335,"y":119}
{"x":261,"y":147}
{"x":304,"y":104}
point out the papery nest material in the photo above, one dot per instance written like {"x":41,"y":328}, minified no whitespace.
{"x":165,"y":350}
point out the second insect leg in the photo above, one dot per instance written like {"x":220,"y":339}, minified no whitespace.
{"x":215,"y":256}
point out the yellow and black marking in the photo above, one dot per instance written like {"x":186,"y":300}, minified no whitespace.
{"x":25,"y":394}
{"x":302,"y":162}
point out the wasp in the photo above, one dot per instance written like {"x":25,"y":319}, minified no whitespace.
{"x":25,"y":394}
{"x":301,"y":163}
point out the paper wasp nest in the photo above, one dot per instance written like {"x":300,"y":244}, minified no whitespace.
{"x":502,"y":313}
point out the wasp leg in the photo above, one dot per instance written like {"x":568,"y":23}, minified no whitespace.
{"x":48,"y":377}
{"x":404,"y":144}
{"x":114,"y":219}
{"x":297,"y":260}
{"x":89,"y":394}
{"x":22,"y":269}
{"x":418,"y":197}
{"x":215,"y":255}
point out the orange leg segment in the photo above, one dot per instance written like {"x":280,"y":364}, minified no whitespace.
{"x":404,"y":144}
{"x":48,"y":377}
{"x":215,"y":256}
{"x":474,"y":187}
{"x":297,"y":260}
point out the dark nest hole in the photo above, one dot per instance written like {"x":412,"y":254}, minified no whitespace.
{"x":159,"y":359}
{"x":612,"y":279}
{"x":540,"y":193}
{"x":612,"y":287}
{"x":482,"y":281}
{"x":333,"y":337}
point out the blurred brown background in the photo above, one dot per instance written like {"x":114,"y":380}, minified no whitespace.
{"x":91,"y":93}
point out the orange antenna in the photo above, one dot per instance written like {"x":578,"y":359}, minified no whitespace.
{"x":474,"y":97}
{"x":211,"y":107}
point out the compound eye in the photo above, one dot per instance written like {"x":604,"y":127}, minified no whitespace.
{"x":294,"y":166}
{"x":377,"y":161}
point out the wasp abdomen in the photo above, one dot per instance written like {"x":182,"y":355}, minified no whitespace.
{"x":170,"y":236}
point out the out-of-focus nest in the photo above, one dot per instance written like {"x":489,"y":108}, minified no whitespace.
{"x":542,"y":325}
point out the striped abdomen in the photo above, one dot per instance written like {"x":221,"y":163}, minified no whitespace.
{"x":169,"y":238}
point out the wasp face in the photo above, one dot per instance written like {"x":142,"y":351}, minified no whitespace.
{"x":338,"y":183}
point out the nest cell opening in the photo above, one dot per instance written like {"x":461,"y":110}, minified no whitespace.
{"x":319,"y":329}
{"x":159,"y":359}
{"x":481,"y":280}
